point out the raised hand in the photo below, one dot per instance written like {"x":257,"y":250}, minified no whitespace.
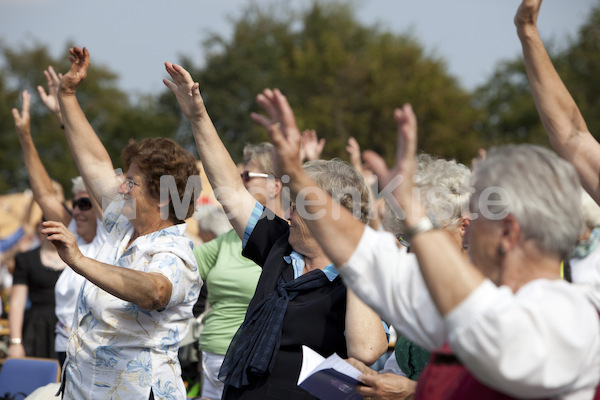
{"x":80,"y":62}
{"x":186,"y":91}
{"x":50,"y":99}
{"x":527,"y":15}
{"x":64,"y":241}
{"x":311,"y":146}
{"x":399,"y":177}
{"x":282,"y":128}
{"x":353,"y":150}
{"x":23,"y":119}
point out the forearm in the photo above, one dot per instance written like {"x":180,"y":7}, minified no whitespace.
{"x":222,"y":173}
{"x":366,"y":339}
{"x":562,"y":120}
{"x":389,"y":281}
{"x":41,"y":184}
{"x":449,"y":276}
{"x":557,"y":109}
{"x":92,"y":159}
{"x":149,"y":291}
{"x":18,"y":298}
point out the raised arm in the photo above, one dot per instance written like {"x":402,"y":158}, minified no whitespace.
{"x":39,"y":180}
{"x":220,"y":169}
{"x":447,"y":286}
{"x":92,"y":159}
{"x":560,"y":116}
{"x":353,"y":150}
{"x":365,"y":335}
{"x":337,"y":237}
{"x":147,"y":290}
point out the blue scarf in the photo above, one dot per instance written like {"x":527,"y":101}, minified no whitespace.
{"x":254,"y":347}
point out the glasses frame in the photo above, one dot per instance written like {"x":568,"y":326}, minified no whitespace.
{"x":247,"y":176}
{"x":128,"y":184}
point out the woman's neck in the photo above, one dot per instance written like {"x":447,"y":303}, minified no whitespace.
{"x":140,"y":230}
{"x":315,"y":262}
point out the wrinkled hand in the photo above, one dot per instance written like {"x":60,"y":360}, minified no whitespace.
{"x":282,"y":129}
{"x":80,"y":62}
{"x":64,"y":241}
{"x":50,"y":99}
{"x":186,"y":91}
{"x":23,"y":119}
{"x":400,"y":176}
{"x":527,"y":15}
{"x":353,"y":150}
{"x":386,"y":386}
{"x":311,"y":146}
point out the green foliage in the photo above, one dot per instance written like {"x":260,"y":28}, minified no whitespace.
{"x":114,"y":117}
{"x":342,"y":79}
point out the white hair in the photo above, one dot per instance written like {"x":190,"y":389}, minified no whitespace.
{"x":443,"y":187}
{"x":78,"y":185}
{"x":538,"y":188}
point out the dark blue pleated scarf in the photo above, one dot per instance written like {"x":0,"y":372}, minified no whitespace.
{"x":254,"y":347}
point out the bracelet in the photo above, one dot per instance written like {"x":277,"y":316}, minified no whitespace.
{"x":425,"y":224}
{"x":16,"y":341}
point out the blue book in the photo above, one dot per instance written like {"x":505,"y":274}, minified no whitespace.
{"x":330,"y":378}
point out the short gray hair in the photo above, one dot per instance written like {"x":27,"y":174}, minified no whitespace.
{"x":262,"y":153}
{"x":343,"y":183}
{"x":78,"y":185}
{"x":538,"y":188}
{"x":443,"y":187}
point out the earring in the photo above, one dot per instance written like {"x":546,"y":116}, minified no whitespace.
{"x":501,"y":251}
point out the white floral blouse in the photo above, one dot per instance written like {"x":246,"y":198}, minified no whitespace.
{"x":116,"y":349}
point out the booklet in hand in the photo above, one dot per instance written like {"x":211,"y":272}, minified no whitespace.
{"x":329,"y":378}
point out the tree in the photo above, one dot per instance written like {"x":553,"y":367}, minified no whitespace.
{"x":108,"y":109}
{"x":342,"y":78}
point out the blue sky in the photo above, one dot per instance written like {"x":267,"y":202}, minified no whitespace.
{"x":134,"y":37}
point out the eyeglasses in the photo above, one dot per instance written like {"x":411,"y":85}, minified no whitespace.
{"x":247,"y":176}
{"x":84,"y":204}
{"x":128,"y":185}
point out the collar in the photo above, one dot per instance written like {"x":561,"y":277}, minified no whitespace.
{"x":297,"y":262}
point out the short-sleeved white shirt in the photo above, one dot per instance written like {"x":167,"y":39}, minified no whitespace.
{"x":542,"y":341}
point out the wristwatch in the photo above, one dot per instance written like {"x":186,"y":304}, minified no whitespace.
{"x":16,"y":341}
{"x":425,"y":224}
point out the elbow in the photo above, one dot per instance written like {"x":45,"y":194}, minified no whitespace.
{"x":368,"y":353}
{"x":158,"y":298}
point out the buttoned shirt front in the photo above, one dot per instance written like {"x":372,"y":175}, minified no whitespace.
{"x":118,"y":350}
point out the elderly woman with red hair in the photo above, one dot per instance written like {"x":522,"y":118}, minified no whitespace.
{"x":134,"y":307}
